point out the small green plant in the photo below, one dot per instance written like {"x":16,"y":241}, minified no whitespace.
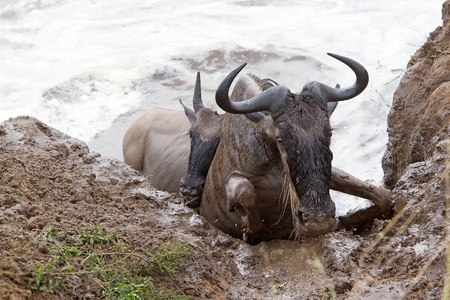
{"x":102,"y":259}
{"x":144,"y":290}
{"x":167,"y":258}
{"x":436,"y":52}
{"x":52,"y":233}
{"x":47,"y":277}
{"x":442,"y":51}
{"x":95,"y":234}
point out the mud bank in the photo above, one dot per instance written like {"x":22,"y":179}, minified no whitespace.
{"x":50,"y":180}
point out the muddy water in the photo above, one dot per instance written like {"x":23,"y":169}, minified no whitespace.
{"x":294,"y":258}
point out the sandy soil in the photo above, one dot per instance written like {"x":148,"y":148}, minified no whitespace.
{"x":50,"y":180}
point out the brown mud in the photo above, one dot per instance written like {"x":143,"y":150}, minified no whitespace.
{"x":50,"y":180}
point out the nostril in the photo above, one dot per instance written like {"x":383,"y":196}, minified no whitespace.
{"x":193,"y":192}
{"x":182,"y":190}
{"x":189,"y":191}
{"x":186,"y":191}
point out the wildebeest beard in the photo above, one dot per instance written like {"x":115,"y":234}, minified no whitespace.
{"x":307,"y":158}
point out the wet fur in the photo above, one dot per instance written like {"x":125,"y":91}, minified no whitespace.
{"x":261,"y":162}
{"x":247,"y":145}
{"x":205,"y":134}
{"x":308,"y":150}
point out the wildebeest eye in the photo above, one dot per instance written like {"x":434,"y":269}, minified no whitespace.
{"x":279,"y":140}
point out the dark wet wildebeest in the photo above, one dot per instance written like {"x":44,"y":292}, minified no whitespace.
{"x":205,"y":131}
{"x":266,"y":164}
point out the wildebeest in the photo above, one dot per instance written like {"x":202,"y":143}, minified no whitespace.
{"x":161,"y":142}
{"x":205,"y":131}
{"x":157,"y":145}
{"x":265,"y":164}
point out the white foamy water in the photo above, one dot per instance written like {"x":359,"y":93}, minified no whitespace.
{"x":89,"y":68}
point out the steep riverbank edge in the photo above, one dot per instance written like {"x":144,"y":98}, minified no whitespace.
{"x":50,"y":180}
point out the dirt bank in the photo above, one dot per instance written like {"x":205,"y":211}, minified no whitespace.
{"x":420,"y":114}
{"x":50,"y":180}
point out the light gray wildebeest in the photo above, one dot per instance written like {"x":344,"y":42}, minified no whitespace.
{"x":267,"y":164}
{"x":157,"y":145}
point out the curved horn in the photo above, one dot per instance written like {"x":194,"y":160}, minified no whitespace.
{"x":197,"y":100}
{"x":271,"y":100}
{"x":329,"y":94}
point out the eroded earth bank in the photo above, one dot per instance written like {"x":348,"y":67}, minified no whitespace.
{"x":50,"y":182}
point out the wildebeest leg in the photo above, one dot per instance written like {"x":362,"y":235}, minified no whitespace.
{"x":240,"y":192}
{"x":381,"y":197}
{"x":343,"y":182}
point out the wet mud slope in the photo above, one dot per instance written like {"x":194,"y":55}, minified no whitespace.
{"x":50,"y":180}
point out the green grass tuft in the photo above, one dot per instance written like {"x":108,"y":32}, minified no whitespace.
{"x":114,"y":269}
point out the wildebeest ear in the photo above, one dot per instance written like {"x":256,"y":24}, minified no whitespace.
{"x":262,"y":122}
{"x":332,"y":105}
{"x":189,"y":113}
